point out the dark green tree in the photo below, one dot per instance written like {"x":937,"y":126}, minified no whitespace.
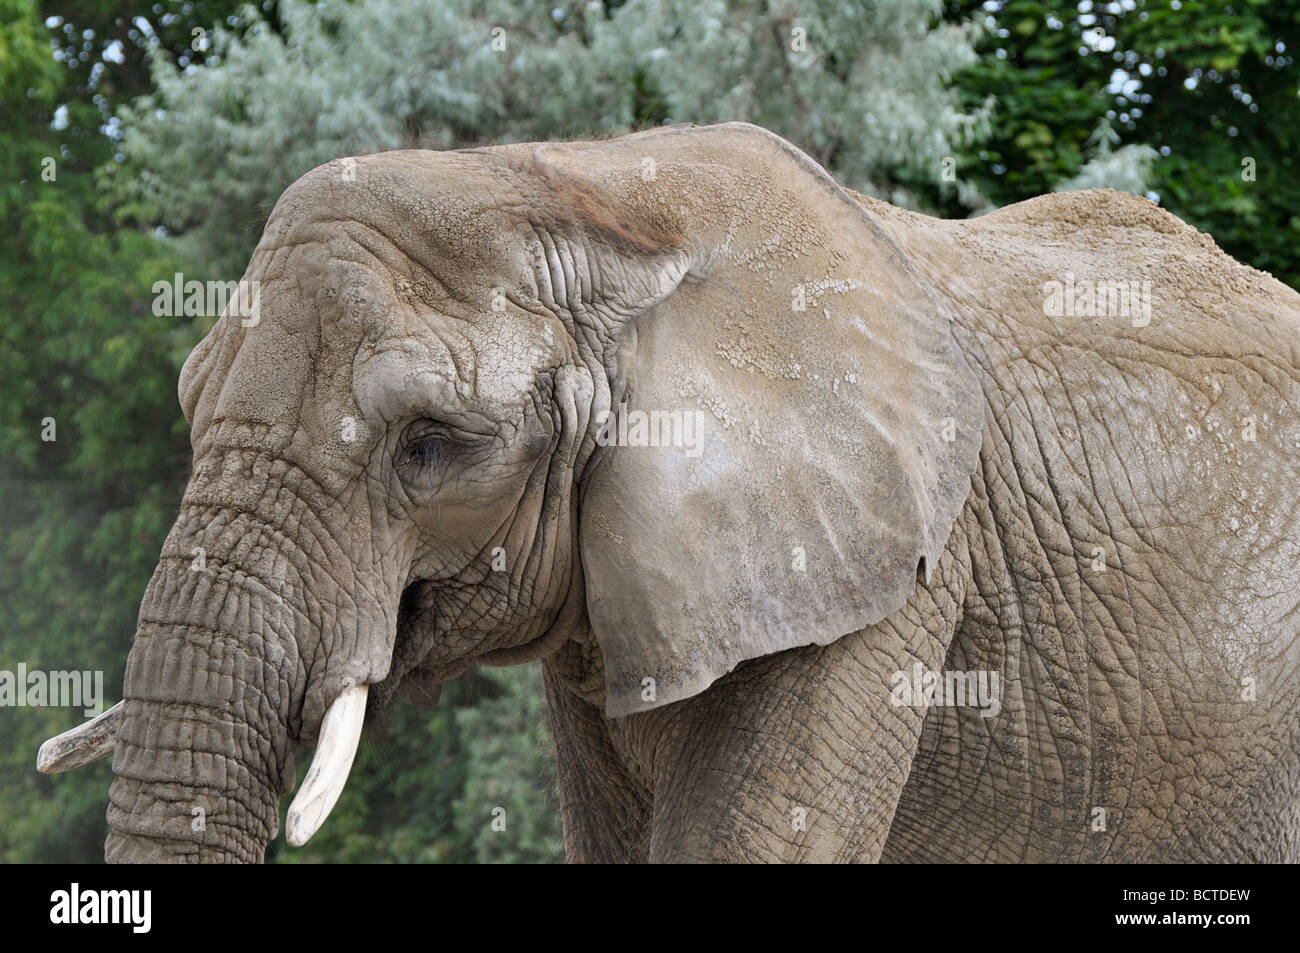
{"x":92,"y":448}
{"x":1211,"y":86}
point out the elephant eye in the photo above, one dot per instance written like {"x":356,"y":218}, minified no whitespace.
{"x":422,"y":451}
{"x":427,"y":450}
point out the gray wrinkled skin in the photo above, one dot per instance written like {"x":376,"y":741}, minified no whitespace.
{"x":904,"y":460}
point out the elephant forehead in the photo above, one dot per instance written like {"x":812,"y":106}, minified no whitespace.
{"x":431,"y":207}
{"x":347,"y":294}
{"x":490,"y":364}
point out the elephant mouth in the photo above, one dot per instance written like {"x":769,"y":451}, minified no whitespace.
{"x":416,"y":674}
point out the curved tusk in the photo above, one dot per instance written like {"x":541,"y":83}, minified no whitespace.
{"x":339,"y":734}
{"x":81,"y":745}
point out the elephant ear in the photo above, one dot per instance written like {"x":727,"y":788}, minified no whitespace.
{"x":838,"y":423}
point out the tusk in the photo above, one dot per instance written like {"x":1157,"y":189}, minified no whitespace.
{"x":339,"y":734}
{"x":81,"y":745}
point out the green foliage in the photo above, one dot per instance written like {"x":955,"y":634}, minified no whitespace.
{"x":85,"y":513}
{"x":1047,"y":96}
{"x":1211,"y":87}
{"x":425,"y":783}
{"x":1224,"y":92}
{"x":508,"y":808}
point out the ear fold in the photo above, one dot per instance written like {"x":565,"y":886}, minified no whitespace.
{"x":839,"y":422}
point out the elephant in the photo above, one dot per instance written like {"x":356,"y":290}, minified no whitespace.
{"x":842,"y":532}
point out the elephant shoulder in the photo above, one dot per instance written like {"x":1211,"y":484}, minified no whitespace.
{"x":1118,"y":229}
{"x":1198,"y":291}
{"x":1096,"y":210}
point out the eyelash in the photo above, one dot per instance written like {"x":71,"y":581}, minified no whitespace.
{"x":423,"y":454}
{"x":427,"y":450}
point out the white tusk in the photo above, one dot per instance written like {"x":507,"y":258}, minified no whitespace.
{"x":81,"y":745}
{"x":339,"y":734}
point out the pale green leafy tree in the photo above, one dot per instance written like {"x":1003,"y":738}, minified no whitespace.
{"x":1127,"y":168}
{"x":861,"y":86}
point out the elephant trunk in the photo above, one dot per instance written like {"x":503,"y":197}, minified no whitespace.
{"x":214,"y":690}
{"x":183,"y":793}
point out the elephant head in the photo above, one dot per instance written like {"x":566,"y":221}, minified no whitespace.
{"x":425,"y":452}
